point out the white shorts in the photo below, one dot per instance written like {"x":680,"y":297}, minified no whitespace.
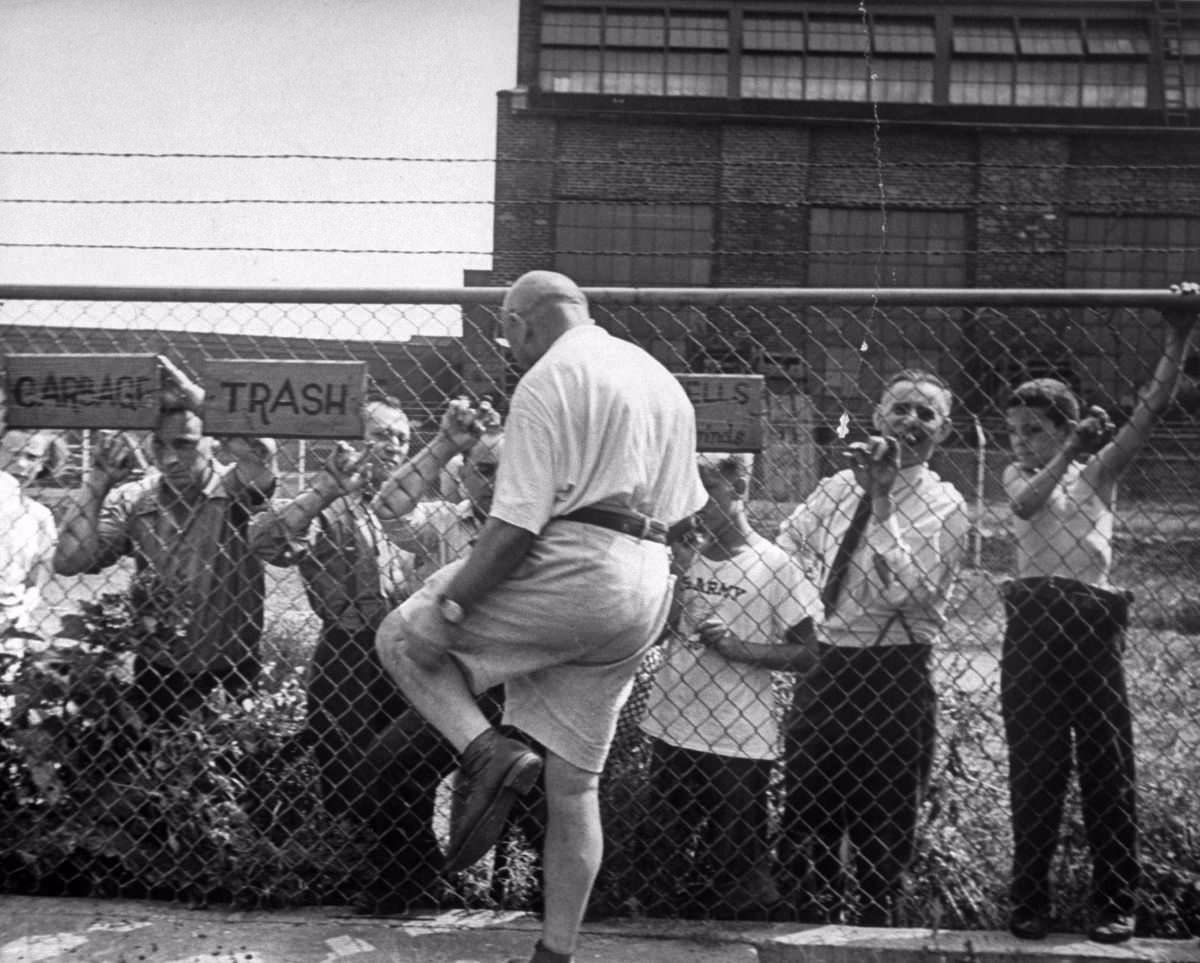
{"x":565,"y":632}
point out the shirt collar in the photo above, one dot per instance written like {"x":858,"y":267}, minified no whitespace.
{"x":214,"y":488}
{"x":913,"y":476}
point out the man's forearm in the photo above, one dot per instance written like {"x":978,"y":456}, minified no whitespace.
{"x":79,"y":531}
{"x":298,"y":514}
{"x":400,"y":493}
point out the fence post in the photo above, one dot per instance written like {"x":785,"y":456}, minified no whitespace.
{"x":980,"y":500}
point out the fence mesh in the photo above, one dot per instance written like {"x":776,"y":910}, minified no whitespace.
{"x":192,"y":708}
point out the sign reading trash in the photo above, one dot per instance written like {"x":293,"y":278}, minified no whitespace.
{"x":729,"y":410}
{"x":284,"y":399}
{"x":82,"y":390}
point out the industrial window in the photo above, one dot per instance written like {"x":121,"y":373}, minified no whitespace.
{"x":1189,"y":43}
{"x":1075,"y":62}
{"x":615,"y":243}
{"x":861,"y":247}
{"x":620,"y":51}
{"x":845,"y":58}
{"x":1031,"y":62}
{"x":1130,"y":251}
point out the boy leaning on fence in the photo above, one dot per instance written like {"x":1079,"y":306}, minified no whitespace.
{"x":1062,"y":682}
{"x":746,"y":611}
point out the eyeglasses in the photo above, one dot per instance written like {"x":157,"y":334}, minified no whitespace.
{"x":506,"y":315}
{"x":923,"y":412}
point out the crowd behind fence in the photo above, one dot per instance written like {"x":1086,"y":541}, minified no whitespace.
{"x":241,"y":799}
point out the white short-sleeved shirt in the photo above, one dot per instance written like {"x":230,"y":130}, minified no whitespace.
{"x":1070,"y":536}
{"x":28,"y":536}
{"x":904,"y":566}
{"x":701,"y":700}
{"x":588,"y":388}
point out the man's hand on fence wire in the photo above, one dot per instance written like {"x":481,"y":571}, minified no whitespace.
{"x":254,"y":457}
{"x":116,"y":458}
{"x":462,"y":424}
{"x":178,"y":390}
{"x":1183,"y":318}
{"x":347,"y":468}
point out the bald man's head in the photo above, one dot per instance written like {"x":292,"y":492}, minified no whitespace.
{"x":535,"y":290}
{"x":538,"y":308}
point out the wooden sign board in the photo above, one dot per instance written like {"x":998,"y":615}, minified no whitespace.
{"x":729,"y":410}
{"x":284,"y":399}
{"x":82,"y":390}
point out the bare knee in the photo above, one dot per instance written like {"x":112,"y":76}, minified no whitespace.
{"x":401,"y":653}
{"x":569,"y":786}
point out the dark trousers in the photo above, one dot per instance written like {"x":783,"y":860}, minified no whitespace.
{"x":859,"y":747}
{"x":705,"y":819}
{"x":353,"y":704}
{"x":161,"y":693}
{"x":1064,"y":701}
{"x":381,"y":761}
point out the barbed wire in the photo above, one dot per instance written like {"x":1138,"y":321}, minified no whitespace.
{"x":680,"y":161}
{"x":714,"y":252}
{"x":1031,"y":201}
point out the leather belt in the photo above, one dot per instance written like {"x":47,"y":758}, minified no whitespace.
{"x":627,"y":523}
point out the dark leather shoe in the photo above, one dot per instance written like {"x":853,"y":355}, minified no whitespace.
{"x":493,"y":771}
{"x":1027,"y":924}
{"x":1112,"y":928}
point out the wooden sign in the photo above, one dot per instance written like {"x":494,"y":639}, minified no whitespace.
{"x":729,"y":410}
{"x":284,"y":399}
{"x":82,"y":390}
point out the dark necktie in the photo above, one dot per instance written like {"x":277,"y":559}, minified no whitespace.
{"x":841,"y":561}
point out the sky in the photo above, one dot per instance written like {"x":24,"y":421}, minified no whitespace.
{"x":412,"y":79}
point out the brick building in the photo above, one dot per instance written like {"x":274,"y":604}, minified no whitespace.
{"x":746,"y":143}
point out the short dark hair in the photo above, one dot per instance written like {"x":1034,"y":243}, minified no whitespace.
{"x":1050,"y":395}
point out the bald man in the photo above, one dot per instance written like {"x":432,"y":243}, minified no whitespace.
{"x":565,"y":589}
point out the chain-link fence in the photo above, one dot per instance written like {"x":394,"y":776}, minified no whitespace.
{"x":191,"y":705}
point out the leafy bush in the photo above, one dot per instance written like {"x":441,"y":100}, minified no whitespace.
{"x":219,"y":807}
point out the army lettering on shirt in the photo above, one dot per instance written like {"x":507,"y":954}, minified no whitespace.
{"x":712,"y":586}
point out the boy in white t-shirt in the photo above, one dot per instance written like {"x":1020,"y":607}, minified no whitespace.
{"x":1062,"y":684}
{"x":745,"y":612}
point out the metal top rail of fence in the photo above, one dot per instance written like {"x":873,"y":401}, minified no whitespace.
{"x":981,"y":297}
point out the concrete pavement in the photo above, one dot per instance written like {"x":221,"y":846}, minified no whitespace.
{"x":54,"y":930}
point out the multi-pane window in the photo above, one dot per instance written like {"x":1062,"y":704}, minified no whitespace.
{"x":861,"y":56}
{"x":863,"y":247}
{"x":612,"y":50}
{"x":1028,"y":62}
{"x":846,"y":58}
{"x":1189,"y":48}
{"x":618,"y":243}
{"x":1116,"y":251}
